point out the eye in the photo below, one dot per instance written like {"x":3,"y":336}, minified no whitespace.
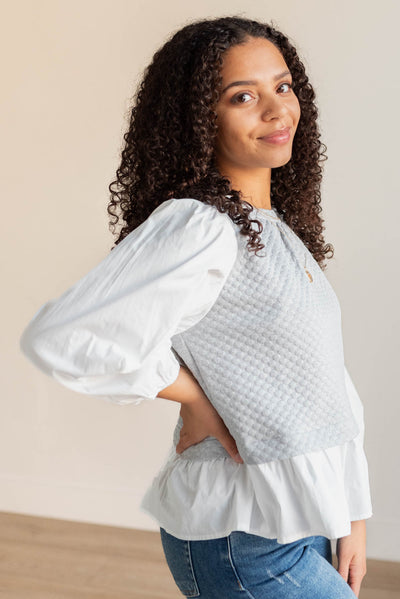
{"x":287,"y":83}
{"x":235,"y":98}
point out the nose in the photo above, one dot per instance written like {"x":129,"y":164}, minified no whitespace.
{"x":273,"y":108}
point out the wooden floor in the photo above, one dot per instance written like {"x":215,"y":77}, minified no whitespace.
{"x":45,"y":558}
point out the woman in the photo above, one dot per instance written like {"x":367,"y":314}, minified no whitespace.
{"x":267,"y":462}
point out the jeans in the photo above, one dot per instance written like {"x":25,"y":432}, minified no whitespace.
{"x":243,"y":565}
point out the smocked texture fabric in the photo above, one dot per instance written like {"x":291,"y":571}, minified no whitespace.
{"x":269,"y":353}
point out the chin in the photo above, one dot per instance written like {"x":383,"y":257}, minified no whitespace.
{"x":285,"y":161}
{"x":276,"y":163}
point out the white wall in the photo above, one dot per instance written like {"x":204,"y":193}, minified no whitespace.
{"x":69,"y":69}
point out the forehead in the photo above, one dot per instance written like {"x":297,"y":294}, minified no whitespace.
{"x":256,"y":55}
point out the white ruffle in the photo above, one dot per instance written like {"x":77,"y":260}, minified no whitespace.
{"x":317,"y":493}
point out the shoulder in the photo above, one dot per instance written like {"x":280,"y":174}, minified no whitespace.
{"x":191,"y":208}
{"x":194,"y":221}
{"x":180,"y":234}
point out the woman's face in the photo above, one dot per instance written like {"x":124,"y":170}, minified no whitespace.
{"x":256,"y":101}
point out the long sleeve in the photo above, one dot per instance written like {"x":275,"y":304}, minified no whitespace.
{"x":356,"y":405}
{"x":356,"y":471}
{"x":109,"y":335}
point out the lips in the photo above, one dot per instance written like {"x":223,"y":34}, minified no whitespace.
{"x":278,"y":133}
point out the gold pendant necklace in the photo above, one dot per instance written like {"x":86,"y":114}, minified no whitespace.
{"x":309,"y":275}
{"x":308,"y":272}
{"x":276,"y":218}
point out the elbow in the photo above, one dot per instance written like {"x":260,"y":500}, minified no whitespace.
{"x":33,"y":342}
{"x":51,"y":351}
{"x":31,"y":345}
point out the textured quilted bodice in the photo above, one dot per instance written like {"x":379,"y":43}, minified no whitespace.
{"x":269,"y":353}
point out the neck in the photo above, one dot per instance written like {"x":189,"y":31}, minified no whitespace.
{"x":254,"y":184}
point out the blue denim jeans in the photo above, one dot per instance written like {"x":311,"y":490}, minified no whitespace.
{"x":243,"y":565}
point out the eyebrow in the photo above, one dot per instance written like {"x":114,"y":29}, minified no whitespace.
{"x":236,"y":83}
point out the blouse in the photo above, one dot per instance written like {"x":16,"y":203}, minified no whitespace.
{"x":109,"y":335}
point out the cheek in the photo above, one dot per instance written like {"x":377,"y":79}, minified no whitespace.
{"x":228,"y":131}
{"x":296,"y":110}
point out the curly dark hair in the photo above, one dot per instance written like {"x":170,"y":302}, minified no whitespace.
{"x":169,"y":145}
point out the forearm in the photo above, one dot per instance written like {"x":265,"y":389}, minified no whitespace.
{"x":185,"y":389}
{"x":351,"y":554}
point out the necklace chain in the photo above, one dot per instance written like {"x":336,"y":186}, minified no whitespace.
{"x":277,"y":218}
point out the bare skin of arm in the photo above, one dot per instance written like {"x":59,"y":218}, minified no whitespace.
{"x":200,"y":418}
{"x":351,"y":553}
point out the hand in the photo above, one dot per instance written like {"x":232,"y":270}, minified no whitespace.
{"x":351,"y":554}
{"x":201,"y":420}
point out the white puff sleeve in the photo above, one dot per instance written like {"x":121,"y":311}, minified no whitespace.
{"x":355,"y":463}
{"x":356,"y":405}
{"x":109,"y":335}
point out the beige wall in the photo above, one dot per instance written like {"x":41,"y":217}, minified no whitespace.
{"x":69,"y":69}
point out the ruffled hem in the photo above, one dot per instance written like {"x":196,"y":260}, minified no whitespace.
{"x":318,"y":493}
